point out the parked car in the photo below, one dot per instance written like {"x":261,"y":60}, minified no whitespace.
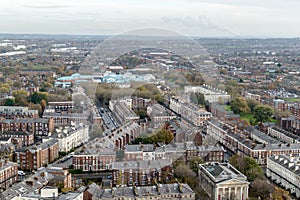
{"x":21,"y":173}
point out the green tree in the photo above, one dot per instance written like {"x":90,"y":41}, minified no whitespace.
{"x":37,"y":97}
{"x":162,"y":136}
{"x":4,"y":90}
{"x":193,"y":98}
{"x":9,"y":102}
{"x":262,"y":113}
{"x":194,"y":163}
{"x":233,"y":88}
{"x":239,"y":105}
{"x":248,"y":166}
{"x":252,"y":103}
{"x":197,"y":98}
{"x":142,"y":113}
{"x":20,"y":97}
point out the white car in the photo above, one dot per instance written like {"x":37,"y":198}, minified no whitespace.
{"x":21,"y":173}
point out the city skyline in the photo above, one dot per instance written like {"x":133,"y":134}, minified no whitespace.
{"x":192,"y":18}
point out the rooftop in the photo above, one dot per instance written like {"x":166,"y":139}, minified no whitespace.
{"x":156,"y":190}
{"x":219,"y":172}
{"x":143,"y":164}
{"x":290,"y":163}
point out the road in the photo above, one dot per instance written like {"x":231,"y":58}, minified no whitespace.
{"x":108,"y":121}
{"x":64,"y":162}
{"x":103,"y":175}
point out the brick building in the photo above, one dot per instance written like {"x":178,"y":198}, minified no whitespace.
{"x":159,"y":191}
{"x":34,"y":157}
{"x":14,"y":112}
{"x":94,"y":157}
{"x":140,"y":173}
{"x":184,"y":151}
{"x":20,"y":138}
{"x":244,"y":142}
{"x":8,"y":173}
{"x":37,"y":126}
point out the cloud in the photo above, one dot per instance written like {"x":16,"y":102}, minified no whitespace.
{"x":200,"y":22}
{"x":46,"y":6}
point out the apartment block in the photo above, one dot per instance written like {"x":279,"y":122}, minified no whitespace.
{"x":15,"y":112}
{"x":139,"y":173}
{"x":159,"y":191}
{"x":159,"y":115}
{"x":122,"y":109}
{"x":184,"y":151}
{"x":37,"y":126}
{"x":188,"y":111}
{"x":245,"y":143}
{"x":21,"y":138}
{"x":94,"y":157}
{"x":34,"y":157}
{"x":8,"y":173}
{"x":283,"y":135}
{"x":285,"y":171}
{"x":71,"y":137}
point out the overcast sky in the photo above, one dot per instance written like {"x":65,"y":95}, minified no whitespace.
{"x":259,"y":18}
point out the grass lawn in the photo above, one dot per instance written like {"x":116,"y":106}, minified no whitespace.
{"x":275,"y":121}
{"x":228,"y":108}
{"x":247,"y":117}
{"x":292,"y":99}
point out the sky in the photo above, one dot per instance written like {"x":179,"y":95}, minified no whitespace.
{"x":207,"y":18}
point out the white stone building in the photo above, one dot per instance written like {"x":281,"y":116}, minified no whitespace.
{"x":210,"y":94}
{"x":283,"y":135}
{"x":285,"y":171}
{"x":70,"y":137}
{"x":223,"y":181}
{"x":189,"y":111}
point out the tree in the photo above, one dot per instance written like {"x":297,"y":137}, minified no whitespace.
{"x":252,"y":103}
{"x":17,"y":84}
{"x":233,"y":88}
{"x":9,"y":102}
{"x":4,"y":90}
{"x":37,"y":97}
{"x":262,"y":113}
{"x":162,"y":136}
{"x":197,"y":98}
{"x":183,"y":172}
{"x":261,"y":188}
{"x":193,"y":98}
{"x":142,"y":113}
{"x":43,"y":104}
{"x":248,"y":166}
{"x":239,"y":105}
{"x":20,"y":97}
{"x":194,"y":78}
{"x":37,"y":107}
{"x":280,"y":194}
{"x":282,"y":114}
{"x":194,"y":163}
